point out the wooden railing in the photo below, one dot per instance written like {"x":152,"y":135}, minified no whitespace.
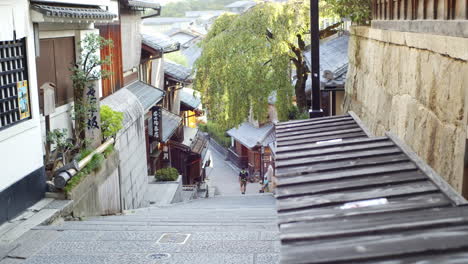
{"x":420,"y":9}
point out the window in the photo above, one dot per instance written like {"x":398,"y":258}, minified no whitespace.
{"x":13,"y":71}
{"x":57,"y":56}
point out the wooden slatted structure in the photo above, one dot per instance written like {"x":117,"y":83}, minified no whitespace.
{"x":419,"y":9}
{"x":321,"y":191}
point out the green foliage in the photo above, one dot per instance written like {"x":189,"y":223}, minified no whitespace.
{"x":63,"y":147}
{"x":217,"y":132}
{"x":109,"y":150}
{"x":83,"y":153}
{"x":296,"y":114}
{"x":247,"y":57}
{"x":177,"y":57}
{"x":93,"y":166}
{"x":111,"y":121}
{"x":359,"y":11}
{"x":178,"y":9}
{"x":167,"y":174}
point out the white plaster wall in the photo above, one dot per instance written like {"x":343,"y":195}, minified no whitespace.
{"x":20,"y":145}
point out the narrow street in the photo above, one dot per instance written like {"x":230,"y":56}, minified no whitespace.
{"x":224,"y":177}
{"x":228,"y":228}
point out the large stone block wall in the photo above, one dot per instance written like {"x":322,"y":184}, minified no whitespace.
{"x":131,"y":145}
{"x":414,"y":85}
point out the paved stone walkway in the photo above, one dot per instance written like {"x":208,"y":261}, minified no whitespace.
{"x":236,"y":230}
{"x":225,"y":177}
{"x":232,"y":228}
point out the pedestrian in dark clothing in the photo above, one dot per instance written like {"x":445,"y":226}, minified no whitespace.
{"x":243,"y":175}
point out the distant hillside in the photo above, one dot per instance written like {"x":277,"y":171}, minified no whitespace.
{"x":178,"y":9}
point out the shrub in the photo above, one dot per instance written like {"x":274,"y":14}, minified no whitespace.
{"x":167,"y":174}
{"x":111,"y":121}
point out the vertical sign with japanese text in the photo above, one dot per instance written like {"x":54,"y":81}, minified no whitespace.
{"x":156,"y":118}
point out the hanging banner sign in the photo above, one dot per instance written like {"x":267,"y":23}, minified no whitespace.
{"x":156,"y":123}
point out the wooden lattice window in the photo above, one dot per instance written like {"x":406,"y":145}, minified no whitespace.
{"x":13,"y":69}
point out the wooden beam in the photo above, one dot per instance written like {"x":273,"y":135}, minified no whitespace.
{"x":435,"y":178}
{"x":405,"y":9}
{"x":424,"y":9}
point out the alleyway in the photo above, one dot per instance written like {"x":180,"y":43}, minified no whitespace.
{"x":224,"y":177}
{"x":229,"y":228}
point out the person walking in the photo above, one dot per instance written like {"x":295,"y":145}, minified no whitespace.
{"x":243,"y":175}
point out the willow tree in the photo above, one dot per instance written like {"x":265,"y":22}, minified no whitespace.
{"x":247,"y":58}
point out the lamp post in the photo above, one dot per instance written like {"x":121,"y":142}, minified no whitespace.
{"x":316,"y":110}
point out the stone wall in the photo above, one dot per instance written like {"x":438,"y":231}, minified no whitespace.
{"x":131,"y":145}
{"x":414,"y":85}
{"x":98,"y":193}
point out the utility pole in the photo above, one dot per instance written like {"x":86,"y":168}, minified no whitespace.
{"x":316,"y":110}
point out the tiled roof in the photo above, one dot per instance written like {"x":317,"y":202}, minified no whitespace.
{"x":188,"y":98}
{"x":362,"y":199}
{"x":333,"y":58}
{"x":146,"y":94}
{"x":75,"y":12}
{"x":160,"y":42}
{"x":144,"y":4}
{"x":177,"y":72}
{"x":192,"y":54}
{"x":170,"y":122}
{"x":165,"y":20}
{"x":251,"y":136}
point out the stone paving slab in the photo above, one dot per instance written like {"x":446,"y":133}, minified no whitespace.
{"x":32,"y":242}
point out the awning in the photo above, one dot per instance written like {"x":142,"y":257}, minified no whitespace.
{"x":160,"y":42}
{"x":170,"y":123}
{"x":251,"y":136}
{"x":177,"y":72}
{"x":194,"y":139}
{"x":189,"y":98}
{"x":58,"y":13}
{"x":147,"y":95}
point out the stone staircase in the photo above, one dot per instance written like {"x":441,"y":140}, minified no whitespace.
{"x":223,"y":229}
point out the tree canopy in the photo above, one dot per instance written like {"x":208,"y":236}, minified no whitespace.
{"x":358,"y":11}
{"x":247,"y":58}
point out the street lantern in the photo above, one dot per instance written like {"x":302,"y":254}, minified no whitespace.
{"x":316,"y":110}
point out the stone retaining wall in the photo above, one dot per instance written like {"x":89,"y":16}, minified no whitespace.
{"x":414,"y":85}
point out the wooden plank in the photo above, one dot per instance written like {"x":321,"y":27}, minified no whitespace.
{"x":332,"y":149}
{"x":342,"y":165}
{"x":359,"y":249}
{"x":448,"y":257}
{"x":405,"y":166}
{"x":311,"y":130}
{"x":406,"y":9}
{"x":313,"y":122}
{"x":360,"y":123}
{"x":433,"y":176}
{"x":408,"y":189}
{"x":395,"y":204}
{"x":343,"y":120}
{"x":364,"y":224}
{"x":348,"y":184}
{"x":356,"y":141}
{"x":322,"y":134}
{"x":326,"y":138}
{"x":322,"y":159}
